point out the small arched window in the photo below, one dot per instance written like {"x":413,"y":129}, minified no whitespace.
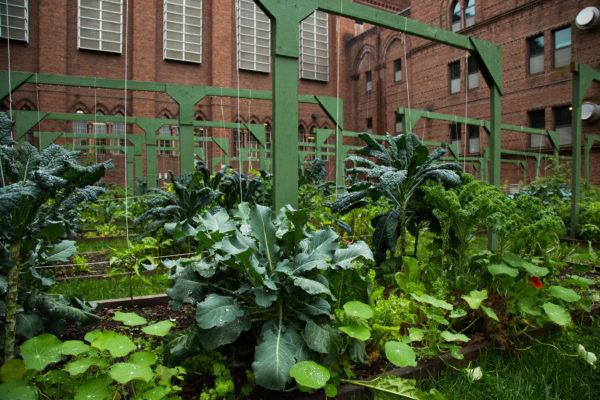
{"x":470,"y":13}
{"x":456,"y":17}
{"x":118,"y":128}
{"x":462,"y":17}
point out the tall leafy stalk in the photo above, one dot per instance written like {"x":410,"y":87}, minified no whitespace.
{"x":38,"y":189}
{"x":399,"y":170}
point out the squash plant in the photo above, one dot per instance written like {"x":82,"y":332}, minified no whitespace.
{"x":37,"y":190}
{"x":261,"y":272}
{"x":399,"y":171}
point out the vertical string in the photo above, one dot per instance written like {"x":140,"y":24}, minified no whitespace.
{"x":95,"y":121}
{"x":406,"y":74}
{"x":337,"y":92}
{"x":37,"y":100}
{"x":125,"y":122}
{"x":466,"y":109}
{"x":239,"y":133}
{"x":9,"y":73}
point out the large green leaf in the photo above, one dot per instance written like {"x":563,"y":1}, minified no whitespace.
{"x":216,"y":222}
{"x":317,"y":306}
{"x":344,"y":257}
{"x":529,"y":305}
{"x":29,"y":324}
{"x":94,"y":389}
{"x":557,"y":314}
{"x":18,"y":390}
{"x":317,"y":338}
{"x":126,"y":372}
{"x":129,"y":319}
{"x":400,"y":354}
{"x":74,"y":347}
{"x":311,"y":286}
{"x":216,"y":311}
{"x":160,"y":328}
{"x":264,"y":231}
{"x":475,"y":297}
{"x":454,"y":337}
{"x":81,"y":365}
{"x":273,"y":358}
{"x":225,"y":334}
{"x":310,"y":374}
{"x":12,"y":370}
{"x":41,"y":351}
{"x":563,"y":293}
{"x":358,"y":309}
{"x":356,"y":331}
{"x":118,"y":345}
{"x":143,"y":358}
{"x":433,"y":301}
{"x":517,"y":262}
{"x":502,"y":269}
{"x":322,"y":242}
{"x":62,"y":251}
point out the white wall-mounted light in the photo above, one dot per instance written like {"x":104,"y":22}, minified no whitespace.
{"x":587,"y":18}
{"x":590,"y":112}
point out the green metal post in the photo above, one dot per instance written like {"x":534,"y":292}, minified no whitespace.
{"x":285,"y":49}
{"x":579,"y":89}
{"x":494,"y":145}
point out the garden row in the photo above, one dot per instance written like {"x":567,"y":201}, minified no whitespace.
{"x":390,"y":271}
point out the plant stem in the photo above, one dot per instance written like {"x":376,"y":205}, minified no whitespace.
{"x":11,"y":302}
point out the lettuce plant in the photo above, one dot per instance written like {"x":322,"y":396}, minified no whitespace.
{"x":37,"y":190}
{"x":264,"y":273}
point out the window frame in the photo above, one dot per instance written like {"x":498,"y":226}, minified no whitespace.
{"x":187,"y":22}
{"x":564,"y":128}
{"x":368,"y":81}
{"x":473,"y":135}
{"x":452,"y":72}
{"x":456,"y":11}
{"x":398,"y":123}
{"x":556,"y":49}
{"x":248,"y":60}
{"x":530,"y":41}
{"x":537,"y":141}
{"x":398,"y":70}
{"x":7,"y":29}
{"x":456,"y":135}
{"x":102,"y":30}
{"x":369,"y":125}
{"x":472,"y":73}
{"x":318,"y":69}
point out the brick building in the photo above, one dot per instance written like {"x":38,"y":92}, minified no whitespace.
{"x":226,"y":44}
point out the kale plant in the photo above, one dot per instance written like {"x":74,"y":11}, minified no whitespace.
{"x":397,"y":173}
{"x":37,"y":190}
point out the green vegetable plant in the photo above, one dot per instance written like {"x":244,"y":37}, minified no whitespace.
{"x":263,"y":273}
{"x":527,"y":296}
{"x":37,"y":191}
{"x":399,"y":171}
{"x":130,"y":260}
{"x":106,"y":365}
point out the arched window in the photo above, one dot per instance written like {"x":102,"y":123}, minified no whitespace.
{"x":252,"y":143}
{"x":100,"y":129}
{"x":164,"y":130}
{"x":456,"y":17}
{"x":118,"y":128}
{"x":301,"y":137}
{"x":80,"y":127}
{"x":470,"y":13}
{"x":462,"y":17}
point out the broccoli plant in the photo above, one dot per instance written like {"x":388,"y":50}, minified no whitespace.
{"x":266,"y":273}
{"x":403,"y":166}
{"x":37,"y":190}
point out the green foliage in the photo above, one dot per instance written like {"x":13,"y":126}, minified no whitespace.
{"x":403,"y":167}
{"x":238,"y":188}
{"x":109,"y":365}
{"x":265,"y":273}
{"x":38,"y":189}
